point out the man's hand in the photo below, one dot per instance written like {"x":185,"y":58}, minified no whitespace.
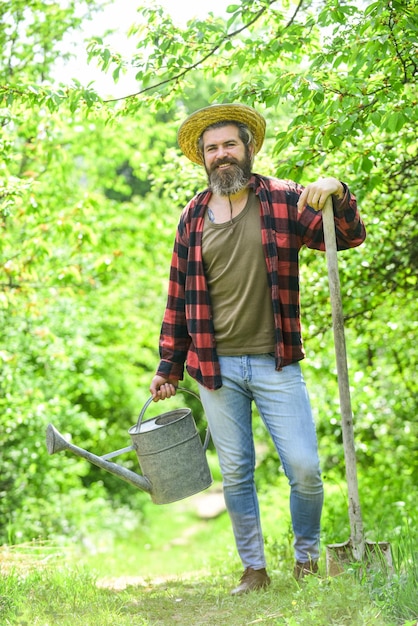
{"x":162,"y":388}
{"x":315,"y":194}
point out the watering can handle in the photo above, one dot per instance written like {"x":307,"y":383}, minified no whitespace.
{"x":192,"y":393}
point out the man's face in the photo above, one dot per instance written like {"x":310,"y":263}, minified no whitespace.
{"x":227,"y":160}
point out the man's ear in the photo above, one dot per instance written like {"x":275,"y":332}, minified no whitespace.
{"x":251,"y":151}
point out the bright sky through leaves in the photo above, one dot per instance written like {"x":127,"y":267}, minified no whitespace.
{"x":119,"y":16}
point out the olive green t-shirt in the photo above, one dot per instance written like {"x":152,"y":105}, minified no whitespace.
{"x":236,"y":274}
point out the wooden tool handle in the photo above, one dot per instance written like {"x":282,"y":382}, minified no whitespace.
{"x":354,"y":511}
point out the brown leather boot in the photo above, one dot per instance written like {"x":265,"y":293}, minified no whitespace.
{"x":252,"y":580}
{"x":305,"y":569}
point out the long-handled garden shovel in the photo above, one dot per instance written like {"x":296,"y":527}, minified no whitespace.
{"x":356,"y":549}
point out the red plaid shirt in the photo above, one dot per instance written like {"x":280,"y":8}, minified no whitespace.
{"x":187,"y":333}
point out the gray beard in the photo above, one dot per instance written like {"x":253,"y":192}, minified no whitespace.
{"x":227,"y":183}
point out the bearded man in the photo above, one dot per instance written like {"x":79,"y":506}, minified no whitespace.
{"x":232,"y":318}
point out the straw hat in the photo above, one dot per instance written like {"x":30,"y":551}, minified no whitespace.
{"x":192,"y":128}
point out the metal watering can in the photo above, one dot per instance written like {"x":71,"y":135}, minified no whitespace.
{"x":169,"y":450}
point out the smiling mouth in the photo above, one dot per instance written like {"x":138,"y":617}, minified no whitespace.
{"x":223,"y":166}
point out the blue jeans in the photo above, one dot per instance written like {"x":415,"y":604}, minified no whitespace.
{"x":283,"y":404}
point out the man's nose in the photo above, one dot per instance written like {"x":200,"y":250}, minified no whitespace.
{"x":221,"y":152}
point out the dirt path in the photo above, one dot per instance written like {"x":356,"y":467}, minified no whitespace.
{"x":206,"y":505}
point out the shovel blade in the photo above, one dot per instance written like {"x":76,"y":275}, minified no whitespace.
{"x":377,"y":556}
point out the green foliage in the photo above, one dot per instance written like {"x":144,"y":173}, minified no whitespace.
{"x":70,"y":354}
{"x":70,"y":257}
{"x":29,"y":34}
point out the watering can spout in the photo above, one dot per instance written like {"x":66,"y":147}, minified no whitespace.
{"x":56,"y":443}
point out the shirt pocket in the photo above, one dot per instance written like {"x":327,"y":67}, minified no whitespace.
{"x":284,"y":247}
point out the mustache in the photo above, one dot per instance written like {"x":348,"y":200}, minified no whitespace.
{"x":224,"y":161}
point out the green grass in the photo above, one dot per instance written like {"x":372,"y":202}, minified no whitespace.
{"x":69,"y":596}
{"x":179,"y":569}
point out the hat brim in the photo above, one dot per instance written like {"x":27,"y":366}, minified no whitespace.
{"x":193,"y":127}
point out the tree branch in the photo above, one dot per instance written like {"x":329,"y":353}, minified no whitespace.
{"x":391,"y":25}
{"x":227,"y":37}
{"x":292,"y":19}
